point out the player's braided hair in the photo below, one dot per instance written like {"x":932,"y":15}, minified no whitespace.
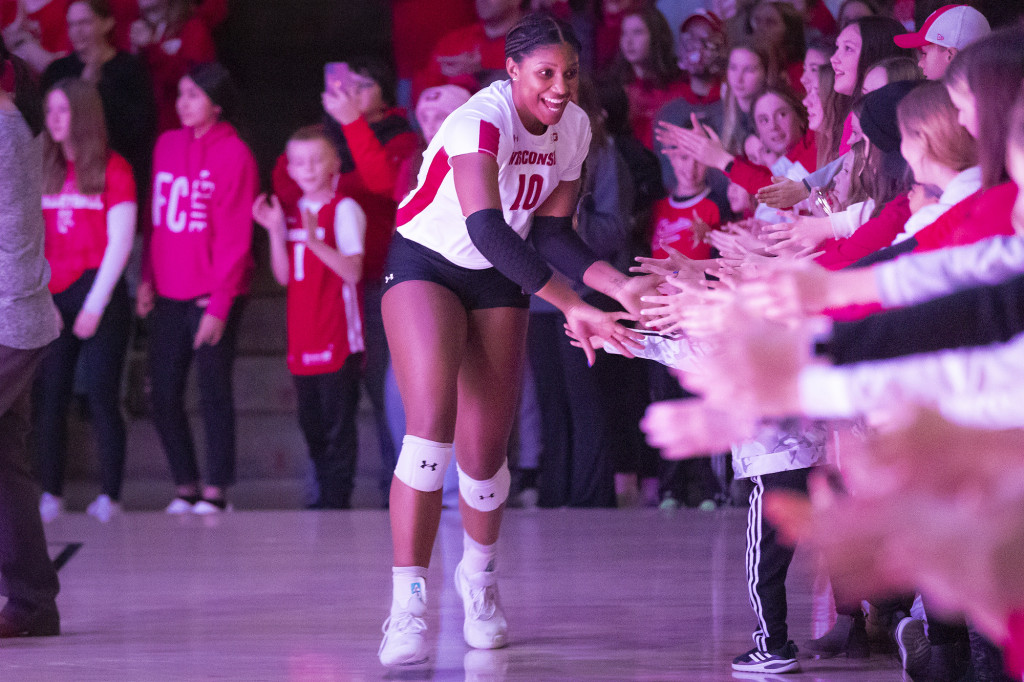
{"x":538,"y":29}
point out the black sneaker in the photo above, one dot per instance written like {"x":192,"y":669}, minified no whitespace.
{"x":781,"y":660}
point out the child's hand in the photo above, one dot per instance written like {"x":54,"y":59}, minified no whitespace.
{"x":268,"y":213}
{"x":699,"y":229}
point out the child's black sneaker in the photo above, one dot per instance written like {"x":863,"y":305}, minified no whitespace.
{"x":781,"y":660}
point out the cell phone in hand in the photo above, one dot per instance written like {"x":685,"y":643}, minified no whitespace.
{"x":337,"y":75}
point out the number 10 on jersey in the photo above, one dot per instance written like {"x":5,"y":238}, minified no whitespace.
{"x":529,"y":192}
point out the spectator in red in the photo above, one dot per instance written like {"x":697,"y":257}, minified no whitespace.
{"x":416,"y":26}
{"x":781,"y":29}
{"x":472,"y":56}
{"x":120,"y":78}
{"x":170,"y":39}
{"x":374,"y":140}
{"x":38,"y":31}
{"x":609,"y":29}
{"x":647,"y":69}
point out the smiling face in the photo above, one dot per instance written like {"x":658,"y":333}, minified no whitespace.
{"x":635,"y":41}
{"x":844,"y":178}
{"x":543,"y":83}
{"x":777,"y":123}
{"x":58,"y":116}
{"x":86,"y":30}
{"x":312,"y":164}
{"x":846,"y":58}
{"x":745,"y":74}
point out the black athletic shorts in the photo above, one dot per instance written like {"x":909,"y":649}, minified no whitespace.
{"x":477,"y":289}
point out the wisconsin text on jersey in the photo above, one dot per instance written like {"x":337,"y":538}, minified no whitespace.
{"x":525,"y":157}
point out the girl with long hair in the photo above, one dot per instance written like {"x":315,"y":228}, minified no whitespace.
{"x":647,"y":69}
{"x":90,"y":207}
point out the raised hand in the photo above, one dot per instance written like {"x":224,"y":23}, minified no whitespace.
{"x":267,"y":212}
{"x":701,"y":143}
{"x":341,"y":104}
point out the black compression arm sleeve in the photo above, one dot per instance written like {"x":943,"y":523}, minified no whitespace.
{"x":507,"y":251}
{"x":560,"y":245}
{"x":972,"y":317}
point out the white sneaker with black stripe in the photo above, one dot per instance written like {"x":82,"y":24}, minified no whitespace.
{"x":781,"y":660}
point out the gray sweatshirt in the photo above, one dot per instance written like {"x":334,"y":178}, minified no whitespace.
{"x":27,"y":315}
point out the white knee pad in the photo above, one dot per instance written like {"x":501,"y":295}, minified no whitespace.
{"x":486,"y":495}
{"x":422,"y":463}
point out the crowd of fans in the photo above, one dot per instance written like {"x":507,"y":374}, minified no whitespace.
{"x":827,"y":196}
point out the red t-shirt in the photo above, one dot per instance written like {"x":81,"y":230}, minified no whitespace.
{"x":645,"y":100}
{"x":416,"y":26}
{"x":49,"y":25}
{"x":324,"y":315}
{"x":673,"y":223}
{"x":466,"y":57}
{"x":170,"y":59}
{"x":76,"y":223}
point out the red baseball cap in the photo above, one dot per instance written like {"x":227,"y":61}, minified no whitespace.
{"x":954,"y":26}
{"x":704,"y":15}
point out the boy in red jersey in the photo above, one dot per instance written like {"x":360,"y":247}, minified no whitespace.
{"x":683,"y":219}
{"x":320,"y":260}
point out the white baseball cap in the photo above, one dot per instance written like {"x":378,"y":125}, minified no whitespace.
{"x":955,"y":26}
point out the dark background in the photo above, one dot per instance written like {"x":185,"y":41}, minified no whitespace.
{"x":276,"y":50}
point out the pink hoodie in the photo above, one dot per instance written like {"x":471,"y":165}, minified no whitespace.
{"x":200,"y":243}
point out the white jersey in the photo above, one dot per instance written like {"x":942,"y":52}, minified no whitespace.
{"x":529,"y":168}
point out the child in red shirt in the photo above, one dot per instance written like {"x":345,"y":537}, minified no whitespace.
{"x":317,"y":252}
{"x":89,"y":207}
{"x":683,"y":219}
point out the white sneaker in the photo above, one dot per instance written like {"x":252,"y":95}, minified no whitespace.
{"x":405,"y":641}
{"x":207,"y":508}
{"x":485,"y":626}
{"x":179,"y":506}
{"x":50,"y":507}
{"x":103,"y":508}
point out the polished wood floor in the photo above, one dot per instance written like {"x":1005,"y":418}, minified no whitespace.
{"x":300,"y":596}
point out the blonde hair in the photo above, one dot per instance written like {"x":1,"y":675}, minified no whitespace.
{"x":928,"y":115}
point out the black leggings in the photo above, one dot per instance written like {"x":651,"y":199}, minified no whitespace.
{"x":103,"y":361}
{"x":173,"y":326}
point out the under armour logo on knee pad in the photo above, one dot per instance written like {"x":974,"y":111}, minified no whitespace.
{"x":484,"y":497}
{"x":389,"y":278}
{"x":433,"y":467}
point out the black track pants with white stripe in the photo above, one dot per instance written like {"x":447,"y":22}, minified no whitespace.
{"x":767,"y":560}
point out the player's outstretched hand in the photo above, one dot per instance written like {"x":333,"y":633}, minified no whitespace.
{"x":585,"y":323}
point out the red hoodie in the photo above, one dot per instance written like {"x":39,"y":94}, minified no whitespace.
{"x":201,"y":240}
